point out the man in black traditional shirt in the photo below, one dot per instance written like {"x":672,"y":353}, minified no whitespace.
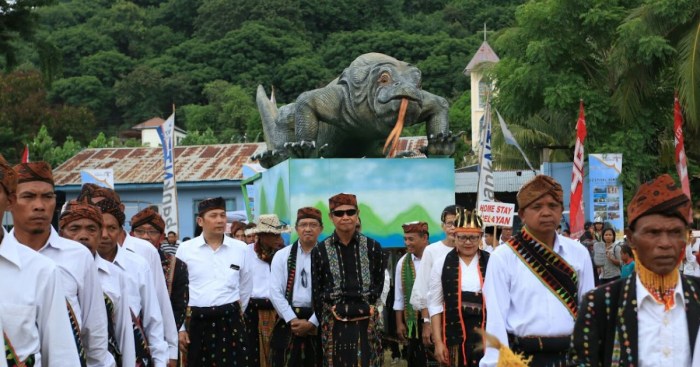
{"x":348,"y":276}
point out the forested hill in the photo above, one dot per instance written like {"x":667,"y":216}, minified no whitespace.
{"x":127,"y":61}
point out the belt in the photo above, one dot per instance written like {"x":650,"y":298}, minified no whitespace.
{"x":255,"y":304}
{"x":539,"y":344}
{"x":214,"y":311}
{"x":303,"y":312}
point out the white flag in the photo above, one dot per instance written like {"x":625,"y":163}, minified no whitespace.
{"x":486,"y":189}
{"x":510,"y":139}
{"x":166,"y":132}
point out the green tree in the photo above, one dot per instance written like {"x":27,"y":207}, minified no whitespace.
{"x":17,"y":21}
{"x":83,"y":91}
{"x":197,"y":138}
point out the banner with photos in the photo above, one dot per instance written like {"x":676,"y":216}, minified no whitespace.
{"x":604,"y":190}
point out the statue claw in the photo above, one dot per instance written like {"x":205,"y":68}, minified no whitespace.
{"x":301,"y":149}
{"x":269,"y":158}
{"x":441,"y":145}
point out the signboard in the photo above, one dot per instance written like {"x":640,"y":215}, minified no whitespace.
{"x":604,"y":190}
{"x":99,"y":177}
{"x":496,"y":214}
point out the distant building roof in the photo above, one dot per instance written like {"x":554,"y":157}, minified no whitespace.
{"x":485,"y":54}
{"x":504,"y":181}
{"x":192,"y":163}
{"x":145,"y":165}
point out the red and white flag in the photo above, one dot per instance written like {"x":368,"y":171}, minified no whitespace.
{"x":681,"y":160}
{"x":25,"y":154}
{"x":576,"y":216}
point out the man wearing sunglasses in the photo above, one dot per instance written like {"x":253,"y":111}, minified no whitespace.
{"x":348,"y":277}
{"x":295,"y":340}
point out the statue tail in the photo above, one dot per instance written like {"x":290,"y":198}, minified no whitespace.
{"x":268,"y":113}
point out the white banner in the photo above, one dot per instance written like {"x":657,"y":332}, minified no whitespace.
{"x":496,"y":214}
{"x":486,"y":189}
{"x":166,"y":132}
{"x":99,"y":177}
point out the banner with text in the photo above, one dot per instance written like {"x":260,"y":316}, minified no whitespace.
{"x":99,"y":177}
{"x":166,"y":133}
{"x":496,"y":214}
{"x":604,"y":190}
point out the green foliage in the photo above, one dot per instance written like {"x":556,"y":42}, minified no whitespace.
{"x":197,"y":138}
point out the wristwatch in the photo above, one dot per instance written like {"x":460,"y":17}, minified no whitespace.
{"x":426,"y":320}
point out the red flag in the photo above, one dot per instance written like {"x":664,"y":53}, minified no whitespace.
{"x":576,"y":216}
{"x":25,"y":154}
{"x":681,"y":160}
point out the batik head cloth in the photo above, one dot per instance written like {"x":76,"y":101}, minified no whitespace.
{"x":110,"y":206}
{"x":76,"y":210}
{"x":661,"y":195}
{"x":8,"y":176}
{"x":538,"y":187}
{"x":342,"y":199}
{"x":309,"y":213}
{"x":415,"y":227}
{"x":34,"y":171}
{"x":148,"y":216}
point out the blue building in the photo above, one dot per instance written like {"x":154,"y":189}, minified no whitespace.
{"x":201,"y":171}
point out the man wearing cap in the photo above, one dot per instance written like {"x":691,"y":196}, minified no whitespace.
{"x":144,"y":249}
{"x":295,"y":339}
{"x":149,"y":344}
{"x":261,"y":316}
{"x":408,"y":320}
{"x":220,"y":286}
{"x":455,"y":298}
{"x":534,"y":284}
{"x":148,"y":225}
{"x":32,"y":214}
{"x":348,"y":277}
{"x":32,"y":307}
{"x":432,"y":253}
{"x":652,"y":317}
{"x":82,"y":222}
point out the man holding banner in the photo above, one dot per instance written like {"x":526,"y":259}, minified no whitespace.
{"x":533,"y":284}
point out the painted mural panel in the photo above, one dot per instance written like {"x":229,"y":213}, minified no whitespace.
{"x":604,"y":190}
{"x":390,"y":192}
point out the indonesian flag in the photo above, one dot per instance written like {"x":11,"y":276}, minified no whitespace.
{"x":576,"y":203}
{"x":25,"y":154}
{"x":681,"y":160}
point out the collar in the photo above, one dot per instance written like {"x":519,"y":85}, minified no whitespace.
{"x":102,"y":264}
{"x":643,"y":294}
{"x":199,"y":241}
{"x":8,"y":249}
{"x":54,"y":239}
{"x":120,"y":259}
{"x":415,"y":258}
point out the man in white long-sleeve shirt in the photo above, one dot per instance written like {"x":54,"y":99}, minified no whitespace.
{"x":295,"y":339}
{"x":432,"y":253}
{"x":82,"y":222}
{"x":33,"y":313}
{"x":220,"y":286}
{"x":149,"y":343}
{"x":150,"y":254}
{"x":32,"y":213}
{"x":534,"y":283}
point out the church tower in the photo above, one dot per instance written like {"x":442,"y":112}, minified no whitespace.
{"x":480,"y":87}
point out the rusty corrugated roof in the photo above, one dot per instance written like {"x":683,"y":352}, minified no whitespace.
{"x":145,"y":165}
{"x":192,"y":163}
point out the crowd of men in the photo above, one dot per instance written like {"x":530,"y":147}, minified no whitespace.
{"x":89,"y":293}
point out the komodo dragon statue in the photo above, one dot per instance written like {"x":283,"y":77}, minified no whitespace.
{"x":367,"y":104}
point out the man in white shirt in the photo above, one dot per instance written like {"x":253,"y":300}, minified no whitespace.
{"x":220,"y":286}
{"x":690,"y":265}
{"x":32,"y":214}
{"x":149,"y":253}
{"x":432,"y":253}
{"x":82,"y":222}
{"x":409,"y":323}
{"x":260,"y":313}
{"x":149,"y":343}
{"x":506,"y":234}
{"x":533,"y":284}
{"x":36,"y":329}
{"x":650,"y":319}
{"x":295,"y":339}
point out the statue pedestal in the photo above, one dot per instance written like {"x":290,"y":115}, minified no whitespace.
{"x":390,"y":192}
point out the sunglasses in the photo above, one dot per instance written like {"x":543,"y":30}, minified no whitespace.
{"x":341,"y":213}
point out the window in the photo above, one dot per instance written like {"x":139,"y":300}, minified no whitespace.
{"x":484,"y":91}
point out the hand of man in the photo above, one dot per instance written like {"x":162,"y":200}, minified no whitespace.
{"x":441,"y":354}
{"x":401,"y":331}
{"x":184,"y":341}
{"x":427,"y":334}
{"x":302,"y":327}
{"x":172,"y":363}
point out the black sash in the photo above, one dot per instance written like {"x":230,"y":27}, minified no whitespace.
{"x":75,"y":327}
{"x":554,"y":272}
{"x":112,"y":345}
{"x":143,"y":352}
{"x":11,"y":357}
{"x":454,"y":298}
{"x":291,"y":272}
